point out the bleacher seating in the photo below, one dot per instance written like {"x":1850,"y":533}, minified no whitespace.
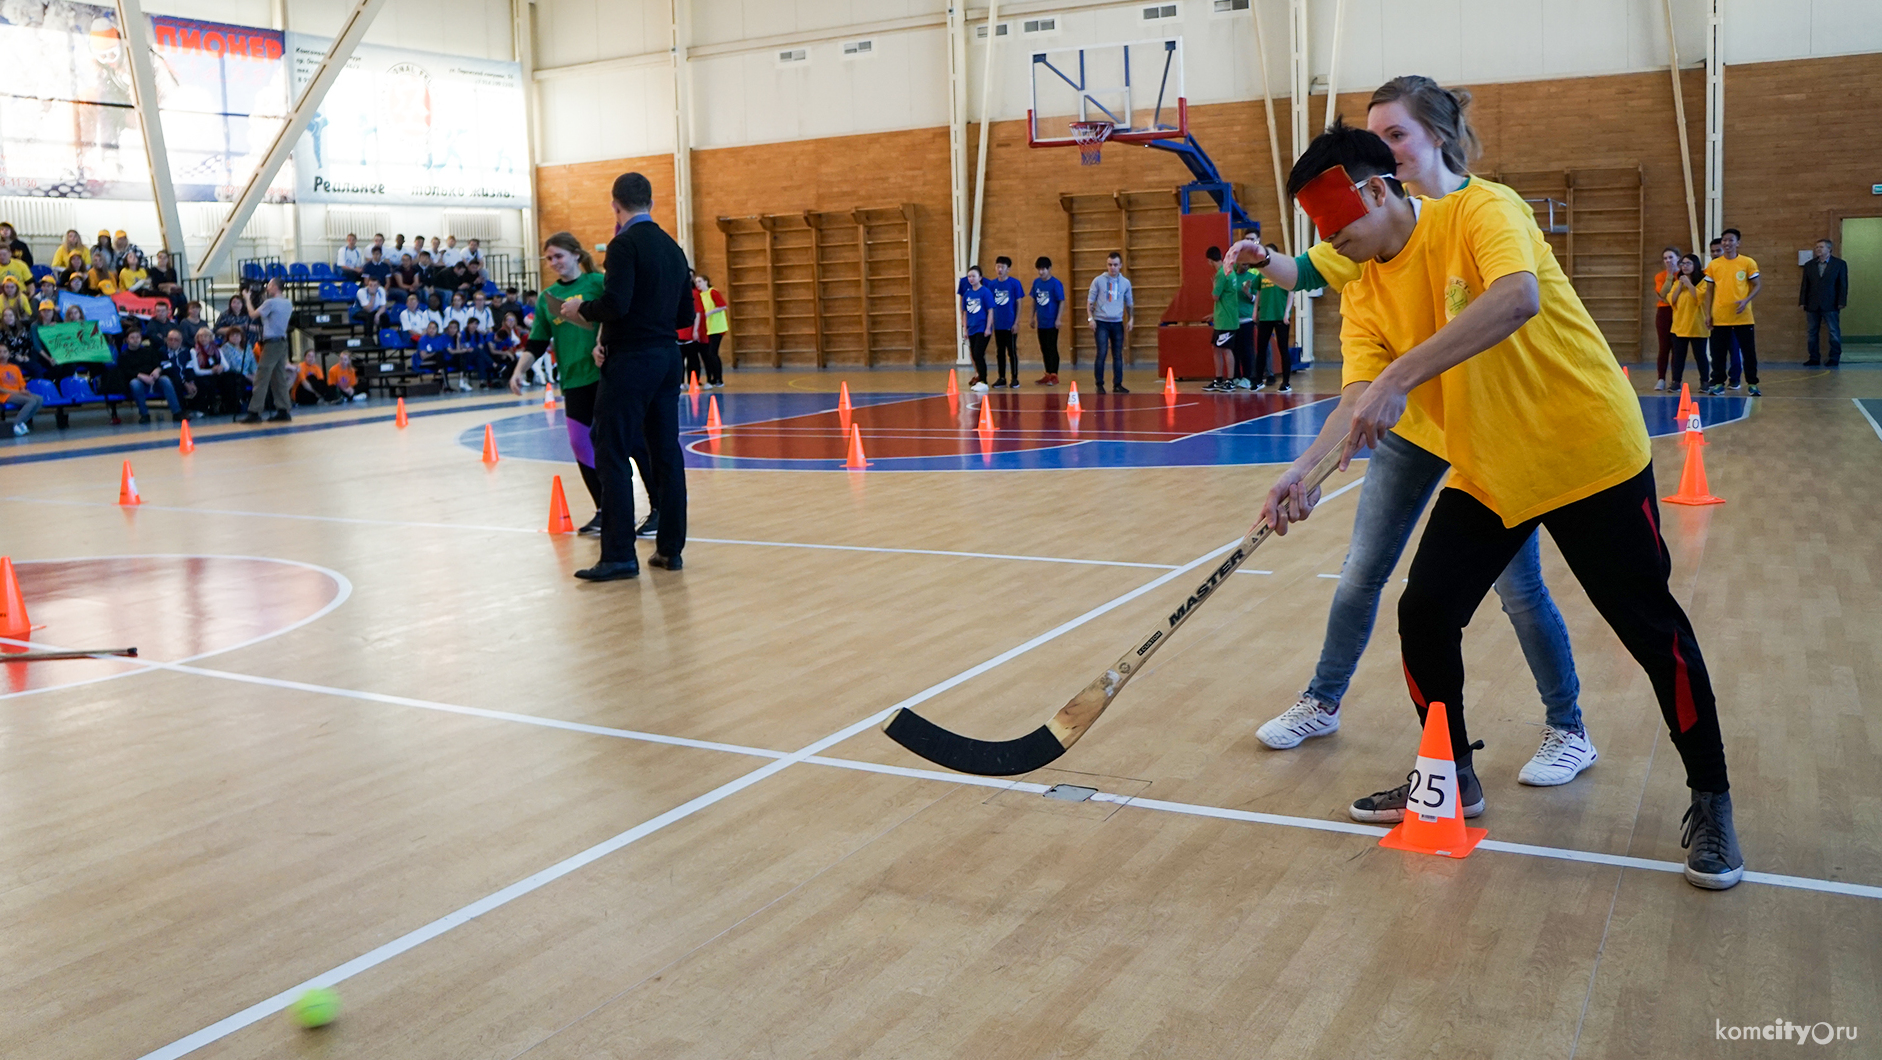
{"x":320,"y":270}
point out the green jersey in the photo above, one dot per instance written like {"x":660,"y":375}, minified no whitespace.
{"x":1250,"y":283}
{"x":1273,"y":301}
{"x":574,"y":343}
{"x":1228,"y":300}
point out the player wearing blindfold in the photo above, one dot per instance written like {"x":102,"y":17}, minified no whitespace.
{"x":1463,"y":335}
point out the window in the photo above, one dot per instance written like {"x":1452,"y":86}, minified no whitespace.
{"x":1004,"y":28}
{"x":854,"y":48}
{"x":793,"y":56}
{"x":1039,"y":25}
{"x":1229,"y":7}
{"x":1161,"y":11}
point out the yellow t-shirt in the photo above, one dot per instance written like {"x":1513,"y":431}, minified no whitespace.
{"x":20,"y":271}
{"x":65,"y":255}
{"x":1731,"y":281}
{"x":128,"y":279}
{"x":1338,"y":270}
{"x":1688,"y":319}
{"x":1541,"y":419}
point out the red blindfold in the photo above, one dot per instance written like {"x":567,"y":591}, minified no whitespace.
{"x":1331,"y":201}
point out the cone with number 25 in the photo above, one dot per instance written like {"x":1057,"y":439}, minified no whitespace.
{"x":1434,"y":814}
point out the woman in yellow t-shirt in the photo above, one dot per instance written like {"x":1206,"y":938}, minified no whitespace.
{"x":1429,"y":134}
{"x":72,"y":254}
{"x":1663,"y":309}
{"x":133,"y":277}
{"x":1682,"y":293}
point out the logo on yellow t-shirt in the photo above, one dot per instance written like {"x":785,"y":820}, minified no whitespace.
{"x":1456,"y":297}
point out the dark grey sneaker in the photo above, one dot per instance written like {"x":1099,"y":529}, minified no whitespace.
{"x":1712,"y":857}
{"x":1388,"y":807}
{"x":650,"y":526}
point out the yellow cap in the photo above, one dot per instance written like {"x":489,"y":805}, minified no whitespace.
{"x":119,"y":234}
{"x":104,"y":231}
{"x":47,"y":305}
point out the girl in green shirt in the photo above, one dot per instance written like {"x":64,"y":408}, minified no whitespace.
{"x":574,"y":346}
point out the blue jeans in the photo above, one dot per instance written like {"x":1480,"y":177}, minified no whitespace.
{"x":1831,"y":317}
{"x":1110,"y":335}
{"x":141,"y":390}
{"x":1400,"y":479}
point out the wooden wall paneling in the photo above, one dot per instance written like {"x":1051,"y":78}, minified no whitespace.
{"x":1152,"y":260}
{"x":1607,"y":262}
{"x":748,"y":288}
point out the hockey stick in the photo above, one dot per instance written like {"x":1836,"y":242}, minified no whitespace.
{"x":47,"y":656}
{"x":1005,"y":758}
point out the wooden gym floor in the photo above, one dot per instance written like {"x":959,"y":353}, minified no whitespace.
{"x":510,"y":814}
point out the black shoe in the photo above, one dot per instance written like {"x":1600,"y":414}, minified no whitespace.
{"x":665,"y":562}
{"x":610,"y":572}
{"x":1833,"y":364}
{"x":280,"y":416}
{"x":1712,"y":857}
{"x":253,"y":417}
{"x":143,"y":417}
{"x":1000,"y":382}
{"x":1100,"y":388}
{"x":648,"y":528}
{"x":1014,"y":384}
{"x":1814,"y":364}
{"x":1388,"y":807}
{"x":591,"y":528}
{"x":1119,"y":389}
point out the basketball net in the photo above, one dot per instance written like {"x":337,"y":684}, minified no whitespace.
{"x":1090,"y":137}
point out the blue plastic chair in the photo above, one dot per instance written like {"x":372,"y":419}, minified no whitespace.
{"x":48,"y":392}
{"x":329,"y":291}
{"x":298,"y":272}
{"x":349,"y":290}
{"x":393,"y":339}
{"x":277,"y":271}
{"x":40,"y":272}
{"x":323,"y":271}
{"x":77,"y":390}
{"x":491,"y":289}
{"x":251,"y":270}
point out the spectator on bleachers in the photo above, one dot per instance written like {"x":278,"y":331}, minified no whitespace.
{"x":102,"y":250}
{"x":480,"y":309}
{"x":192,"y":322}
{"x":164,"y":282}
{"x":160,"y":325}
{"x":218,"y":386}
{"x":378,"y":244}
{"x":369,"y":306}
{"x":459,"y":354}
{"x":239,"y":351}
{"x":14,"y":267}
{"x":416,"y":317}
{"x":71,"y":253}
{"x":452,"y":253}
{"x":349,"y":260}
{"x":428,"y":273}
{"x":142,"y":366}
{"x":47,"y":287}
{"x":13,"y":297}
{"x":132,"y":276}
{"x":482,"y":356}
{"x":437,"y":251}
{"x":80,"y":283}
{"x":474,"y":251}
{"x":343,"y":379}
{"x":121,"y":245}
{"x":13,"y":391}
{"x":42,"y":357}
{"x":508,"y":336}
{"x":102,"y":278}
{"x":478,"y":278}
{"x":435,"y":302}
{"x":17,"y":336}
{"x":310,"y":382}
{"x":458,"y":278}
{"x":10,"y":239}
{"x":458,"y":311}
{"x":433,"y":354}
{"x":398,"y":247}
{"x":405,"y":279}
{"x":376,"y":266}
{"x":236,"y":316}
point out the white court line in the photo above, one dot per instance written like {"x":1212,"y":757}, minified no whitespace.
{"x":279,"y":1002}
{"x":1877,"y":427}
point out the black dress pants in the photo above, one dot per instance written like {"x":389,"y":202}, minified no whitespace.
{"x":638,"y":403}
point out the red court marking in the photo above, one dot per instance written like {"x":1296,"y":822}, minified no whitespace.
{"x":168,"y":607}
{"x":928,"y":427}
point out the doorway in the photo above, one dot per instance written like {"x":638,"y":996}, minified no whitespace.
{"x":1862,"y":320}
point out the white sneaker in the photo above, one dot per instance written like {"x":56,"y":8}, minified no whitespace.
{"x":464,"y":385}
{"x":1307,"y":718}
{"x":1659,"y":384}
{"x":1244,"y":384}
{"x":1561,"y":757}
{"x":978,"y":388}
{"x":21,"y":430}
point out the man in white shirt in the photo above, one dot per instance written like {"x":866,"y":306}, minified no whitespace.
{"x":452,"y":253}
{"x":474,"y":252}
{"x":480,"y":312}
{"x":349,"y":260}
{"x":457,"y":312}
{"x":413,"y":320}
{"x":371,"y":307}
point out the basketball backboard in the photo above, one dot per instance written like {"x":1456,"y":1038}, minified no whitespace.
{"x":1137,"y":86}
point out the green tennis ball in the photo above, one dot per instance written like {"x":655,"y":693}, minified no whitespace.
{"x":315,"y":1008}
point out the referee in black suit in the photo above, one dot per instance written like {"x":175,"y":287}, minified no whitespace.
{"x":645,"y":301}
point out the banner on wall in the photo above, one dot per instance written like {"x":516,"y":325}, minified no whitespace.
{"x":68,"y":127}
{"x":409,"y":127}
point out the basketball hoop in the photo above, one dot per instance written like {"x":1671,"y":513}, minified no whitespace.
{"x":1090,"y":137}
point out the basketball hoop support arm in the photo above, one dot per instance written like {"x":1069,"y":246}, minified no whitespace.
{"x":1208,"y":181}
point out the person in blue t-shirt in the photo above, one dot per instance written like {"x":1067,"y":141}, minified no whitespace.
{"x":977,"y":321}
{"x":1007,"y":293}
{"x":1047,"y":295}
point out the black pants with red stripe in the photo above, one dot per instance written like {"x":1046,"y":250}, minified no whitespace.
{"x":1612,"y":544}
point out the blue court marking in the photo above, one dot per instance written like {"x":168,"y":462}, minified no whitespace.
{"x":1871,"y":409}
{"x":1276,"y":438}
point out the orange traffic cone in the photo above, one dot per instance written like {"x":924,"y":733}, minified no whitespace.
{"x":1686,"y":405}
{"x":1434,"y":817}
{"x":843,"y":407}
{"x":1169,"y":382}
{"x":1692,"y":478}
{"x":954,"y":384}
{"x":548,"y":395}
{"x":490,"y":445}
{"x":692,"y":384}
{"x":127,"y":487}
{"x":399,"y":419}
{"x":1071,"y":402}
{"x":559,"y":521}
{"x":186,"y":444}
{"x":1624,"y":374}
{"x":986,"y":417}
{"x":713,"y":423}
{"x":856,"y":461}
{"x":13,"y":620}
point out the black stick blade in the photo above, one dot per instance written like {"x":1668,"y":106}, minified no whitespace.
{"x":987,"y":758}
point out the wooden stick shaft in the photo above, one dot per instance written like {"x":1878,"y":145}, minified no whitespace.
{"x":1679,"y":116}
{"x":48,"y":656}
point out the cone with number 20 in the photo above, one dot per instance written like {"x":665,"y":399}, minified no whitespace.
{"x":1434,"y":814}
